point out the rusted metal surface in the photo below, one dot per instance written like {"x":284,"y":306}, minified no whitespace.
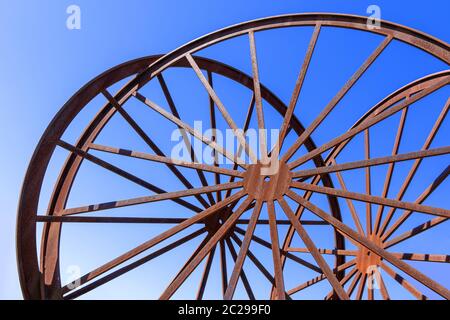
{"x":253,"y":188}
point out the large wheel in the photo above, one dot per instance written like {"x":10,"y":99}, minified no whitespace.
{"x":295,"y":183}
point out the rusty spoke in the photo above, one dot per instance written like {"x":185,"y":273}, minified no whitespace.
{"x":147,"y":199}
{"x":212,"y":118}
{"x":326,"y":251}
{"x":369,"y":122}
{"x":313,"y":250}
{"x":248,"y":118}
{"x":149,"y":142}
{"x":206,"y":271}
{"x":383,"y":288}
{"x":194,"y":254}
{"x":277,"y":266}
{"x":390,"y":170}
{"x":321,"y":277}
{"x":348,"y":232}
{"x":403,"y":282}
{"x":338,"y":97}
{"x":159,"y":238}
{"x":373,"y":199}
{"x":350,"y":205}
{"x":123,"y":174}
{"x":243,"y":252}
{"x":419,"y":200}
{"x":242,"y":275}
{"x":170,"y":290}
{"x":415,"y":231}
{"x":156,"y":158}
{"x":368,"y":183}
{"x":174,"y":111}
{"x":353,"y":284}
{"x":189,"y":129}
{"x":373,"y":162}
{"x":223,"y":266}
{"x":258,"y":100}
{"x":256,"y":262}
{"x":414,"y":168}
{"x":237,"y":132}
{"x":361,"y":287}
{"x":286,"y":254}
{"x":298,"y":86}
{"x":94,"y":284}
{"x":343,"y":282}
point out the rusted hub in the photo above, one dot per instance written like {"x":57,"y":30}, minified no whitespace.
{"x":267,"y":183}
{"x":365,"y":259}
{"x":213,"y":222}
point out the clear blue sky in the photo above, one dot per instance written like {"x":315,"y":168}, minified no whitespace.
{"x":42,"y":64}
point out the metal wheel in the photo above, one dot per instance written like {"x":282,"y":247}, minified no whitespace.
{"x":290,"y":185}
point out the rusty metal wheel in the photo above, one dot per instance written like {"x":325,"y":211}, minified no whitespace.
{"x":302,"y":182}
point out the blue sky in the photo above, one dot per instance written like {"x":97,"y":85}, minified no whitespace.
{"x":43,"y":63}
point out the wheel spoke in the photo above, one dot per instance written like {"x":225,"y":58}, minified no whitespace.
{"x":237,"y":132}
{"x":373,"y":162}
{"x":94,"y":284}
{"x":123,"y":174}
{"x":258,"y":100}
{"x":368,"y":183}
{"x":339,"y":252}
{"x":289,"y":255}
{"x":361,"y":287}
{"x":243,"y":252}
{"x":415,"y":231}
{"x":212,"y":118}
{"x":390,"y":170}
{"x":245,"y":128}
{"x":383,"y":288}
{"x":277,"y":266}
{"x":353,"y":284}
{"x":349,"y":202}
{"x":321,"y":277}
{"x":159,"y":238}
{"x":338,"y":97}
{"x":298,"y":86}
{"x":174,"y":111}
{"x":177,"y":162}
{"x":255,"y":261}
{"x":149,"y":142}
{"x":188,"y":128}
{"x":403,"y":282}
{"x":423,"y":257}
{"x":170,"y":290}
{"x":370,"y":275}
{"x":343,"y":282}
{"x":223,"y":266}
{"x":373,"y":199}
{"x":242,"y":275}
{"x":412,"y":172}
{"x":438,"y":288}
{"x":147,"y":199}
{"x":194,"y":254}
{"x":313,"y":250}
{"x":201,"y":289}
{"x":419,"y":200}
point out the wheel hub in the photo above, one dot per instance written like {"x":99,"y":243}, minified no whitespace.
{"x":267,"y":183}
